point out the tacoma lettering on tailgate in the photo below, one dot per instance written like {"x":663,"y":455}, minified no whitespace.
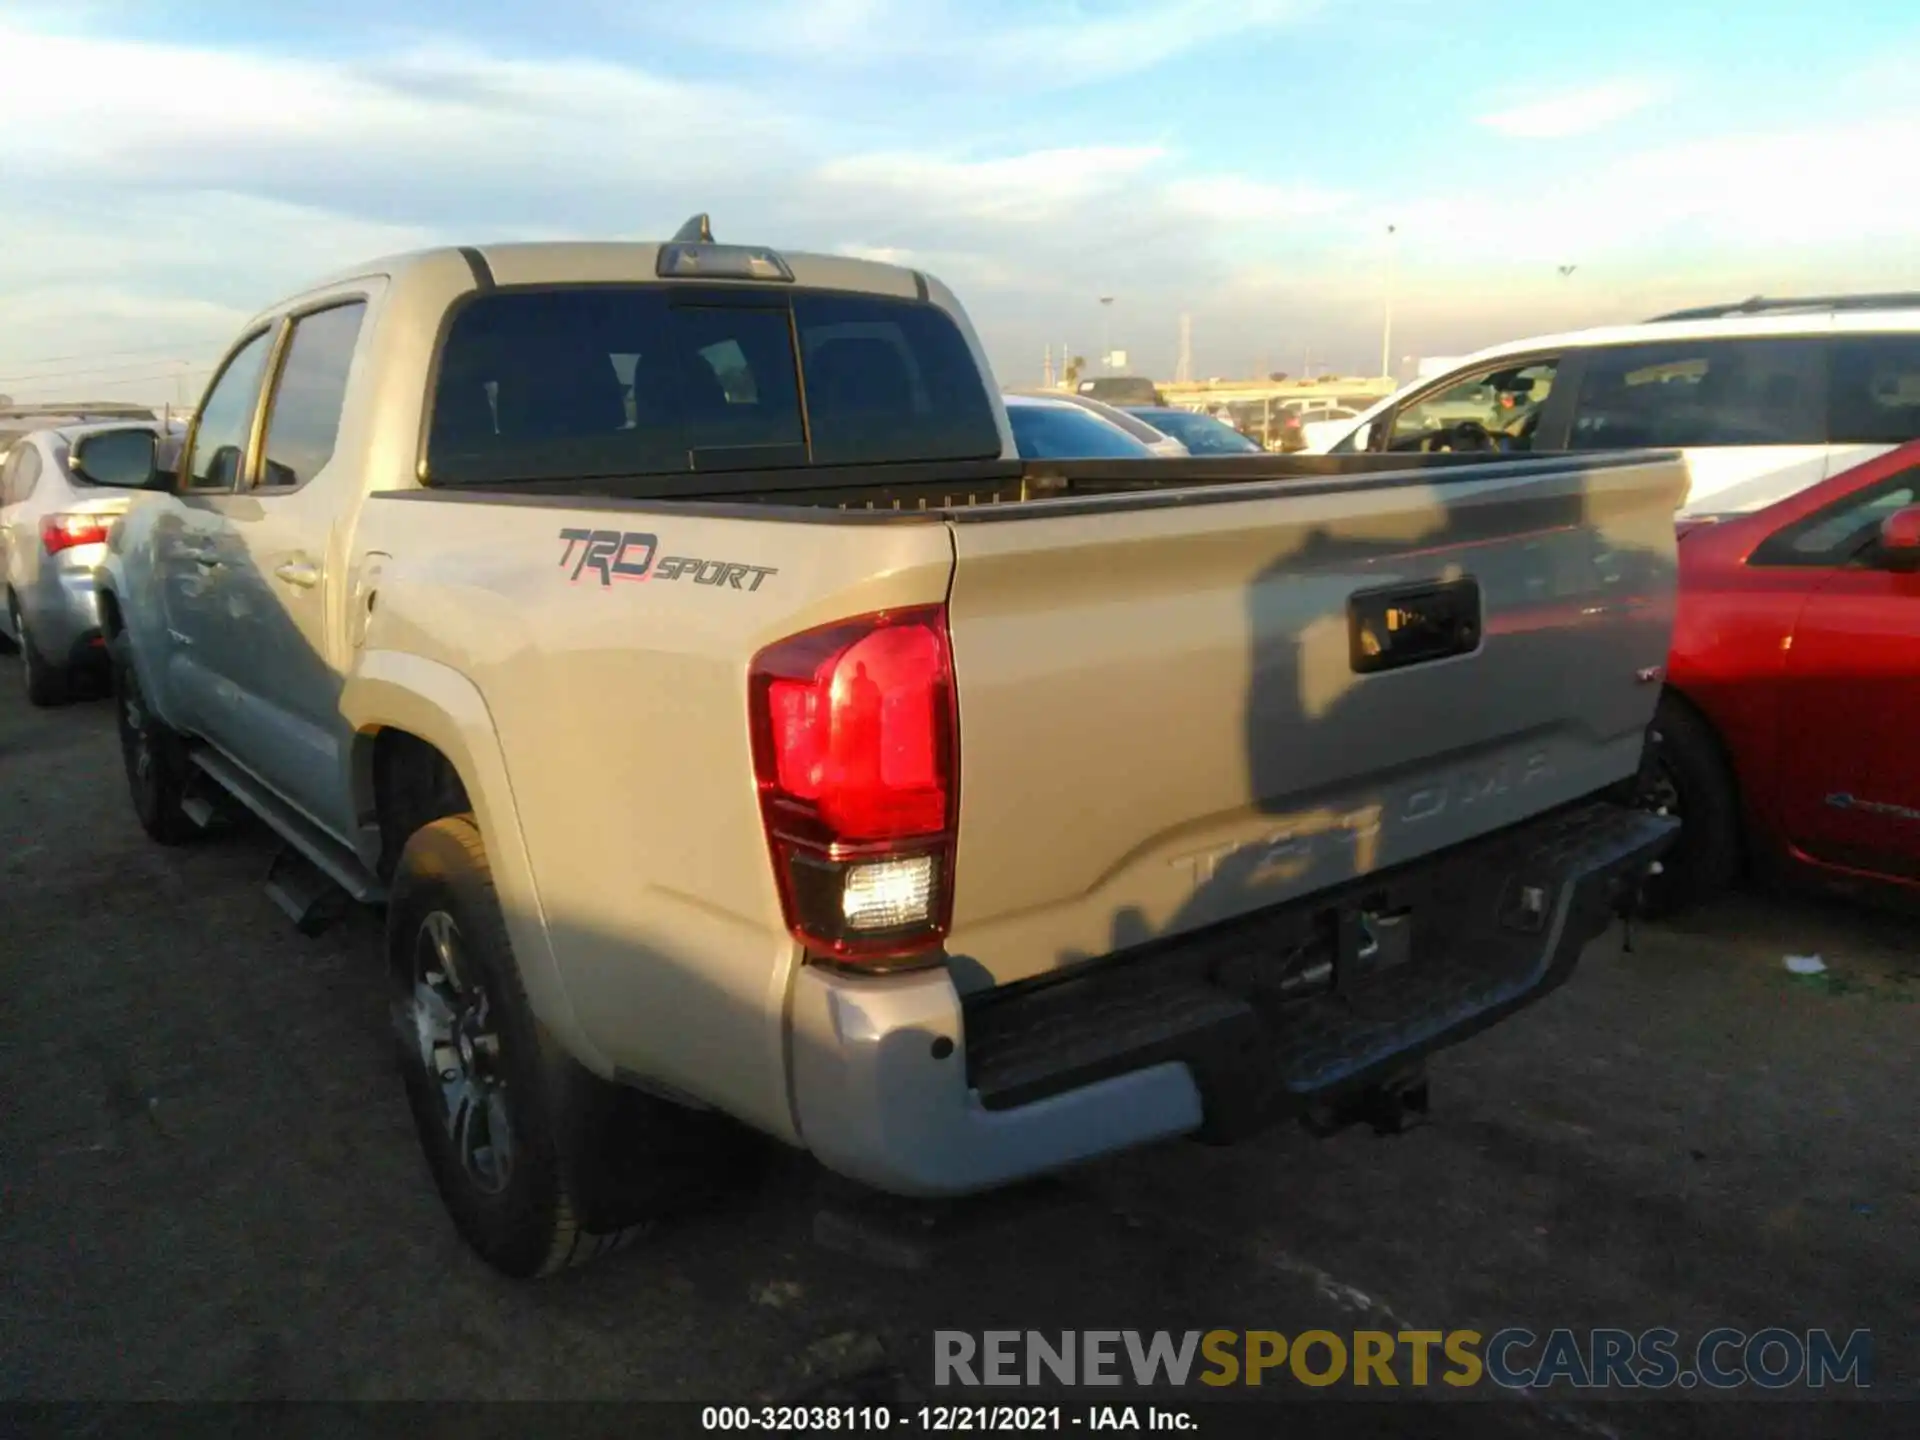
{"x":1303,"y":840}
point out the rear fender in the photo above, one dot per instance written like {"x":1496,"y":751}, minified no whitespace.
{"x":393,"y":690}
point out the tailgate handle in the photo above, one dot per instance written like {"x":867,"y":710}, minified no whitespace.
{"x":1402,"y":625}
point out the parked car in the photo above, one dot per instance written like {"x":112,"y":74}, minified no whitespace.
{"x":620,"y":644}
{"x":1121,"y":390}
{"x":1045,"y":428}
{"x":1157,"y":441}
{"x":55,"y":511}
{"x":1323,"y":426}
{"x":1770,"y":396}
{"x":1198,"y":434}
{"x":1786,"y":733}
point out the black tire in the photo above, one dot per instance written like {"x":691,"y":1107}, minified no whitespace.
{"x":588,"y":1165}
{"x":1687,"y":776}
{"x":155,"y":756}
{"x":46,"y":682}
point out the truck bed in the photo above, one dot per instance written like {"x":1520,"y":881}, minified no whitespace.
{"x":963,"y":490}
{"x":1166,"y":718}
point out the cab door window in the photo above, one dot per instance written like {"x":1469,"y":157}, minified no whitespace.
{"x":221,"y":431}
{"x":303,"y":418}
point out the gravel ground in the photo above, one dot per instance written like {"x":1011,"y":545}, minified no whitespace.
{"x":211,"y":1189}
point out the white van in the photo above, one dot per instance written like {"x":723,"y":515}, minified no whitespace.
{"x":1765,"y":397}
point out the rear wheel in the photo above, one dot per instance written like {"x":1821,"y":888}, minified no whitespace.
{"x":1687,"y":777}
{"x":540,"y":1163}
{"x":46,"y":682}
{"x":155,"y":756}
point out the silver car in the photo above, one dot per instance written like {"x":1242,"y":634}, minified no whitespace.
{"x":1156,"y":441}
{"x":55,"y":511}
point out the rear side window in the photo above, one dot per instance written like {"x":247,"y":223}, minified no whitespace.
{"x":303,"y":419}
{"x":600,"y":381}
{"x":1874,"y":390}
{"x":1701,"y":393}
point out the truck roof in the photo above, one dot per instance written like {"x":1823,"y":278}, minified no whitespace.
{"x":613,"y":261}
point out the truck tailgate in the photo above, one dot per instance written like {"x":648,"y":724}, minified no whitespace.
{"x":1174,"y":713}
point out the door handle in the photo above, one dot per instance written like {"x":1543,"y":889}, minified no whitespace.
{"x":303,"y":573}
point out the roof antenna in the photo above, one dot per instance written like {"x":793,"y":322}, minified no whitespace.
{"x":697,"y":231}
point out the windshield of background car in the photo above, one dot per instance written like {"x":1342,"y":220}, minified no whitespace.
{"x":1066,"y":432}
{"x":1201,"y":434}
{"x":607,"y":380}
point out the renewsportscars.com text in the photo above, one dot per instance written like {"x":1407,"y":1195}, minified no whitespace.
{"x":1512,"y":1358}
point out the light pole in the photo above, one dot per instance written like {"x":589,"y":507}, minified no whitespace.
{"x":1386,"y":328}
{"x":1106,"y":333}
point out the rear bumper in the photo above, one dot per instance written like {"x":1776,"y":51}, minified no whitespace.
{"x":901,"y":1084}
{"x":62,"y":609}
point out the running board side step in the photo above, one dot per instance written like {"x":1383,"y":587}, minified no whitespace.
{"x":312,"y":869}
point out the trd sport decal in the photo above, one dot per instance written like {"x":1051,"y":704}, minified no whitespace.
{"x":630,"y":555}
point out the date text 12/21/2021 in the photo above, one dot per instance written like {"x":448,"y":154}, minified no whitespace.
{"x":941,"y":1419}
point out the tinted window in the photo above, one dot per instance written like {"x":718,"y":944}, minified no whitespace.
{"x":1874,"y":390}
{"x":1842,"y":530}
{"x":225,"y":420}
{"x":1713,"y":392}
{"x":738,"y":396}
{"x":605,"y":380}
{"x":1066,"y":432}
{"x":891,"y":380}
{"x":303,"y":418}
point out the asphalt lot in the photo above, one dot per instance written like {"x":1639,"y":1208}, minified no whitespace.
{"x":211,"y":1189}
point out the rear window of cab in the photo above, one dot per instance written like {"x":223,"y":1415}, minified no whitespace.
{"x":580,"y":382}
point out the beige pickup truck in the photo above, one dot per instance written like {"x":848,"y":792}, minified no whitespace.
{"x":741,"y":738}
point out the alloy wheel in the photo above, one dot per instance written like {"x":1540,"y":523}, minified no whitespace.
{"x":458,"y":1043}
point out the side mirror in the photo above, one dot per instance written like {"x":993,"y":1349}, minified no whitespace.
{"x":124,"y":459}
{"x":1900,"y":540}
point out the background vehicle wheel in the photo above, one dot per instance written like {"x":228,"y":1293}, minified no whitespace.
{"x":1687,"y":776}
{"x":155,"y":756}
{"x":541,"y":1163}
{"x":46,"y":682}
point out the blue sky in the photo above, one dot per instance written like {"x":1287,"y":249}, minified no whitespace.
{"x":169,"y":168}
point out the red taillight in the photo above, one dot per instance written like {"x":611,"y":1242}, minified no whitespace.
{"x":63,"y":532}
{"x":855,"y":745}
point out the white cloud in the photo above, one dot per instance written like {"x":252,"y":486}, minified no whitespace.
{"x":1038,"y":186}
{"x":1236,"y":200}
{"x":420,"y":129}
{"x":195,"y":184}
{"x":1033,"y":44}
{"x":1834,"y":185}
{"x":1579,"y":111}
